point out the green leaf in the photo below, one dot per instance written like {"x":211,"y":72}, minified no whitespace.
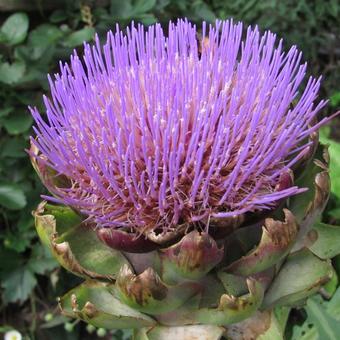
{"x":335,"y":99}
{"x":12,"y":196}
{"x":4,"y":329}
{"x":11,"y":73}
{"x":18,"y":123}
{"x":18,"y":241}
{"x":58,"y":15}
{"x":331,"y":286}
{"x":14,"y":147}
{"x":77,"y":38}
{"x":5,"y":111}
{"x":14,"y":29}
{"x":41,"y":260}
{"x":9,"y":260}
{"x":334,"y":153}
{"x":41,"y":39}
{"x":309,"y":329}
{"x":132,"y":9}
{"x":301,"y":276}
{"x":147,"y":19}
{"x":327,"y":327}
{"x":308,"y":206}
{"x":305,"y":332}
{"x":41,"y":266}
{"x":203,"y":11}
{"x":18,"y":285}
{"x":335,"y":213}
{"x":333,"y":306}
{"x":121,"y":9}
{"x":327,"y":240}
{"x":143,"y":6}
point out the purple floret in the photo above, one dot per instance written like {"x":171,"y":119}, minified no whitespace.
{"x":156,"y":129}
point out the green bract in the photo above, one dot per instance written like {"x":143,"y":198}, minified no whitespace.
{"x":240,"y":285}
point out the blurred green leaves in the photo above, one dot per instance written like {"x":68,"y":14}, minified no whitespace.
{"x":18,"y":123}
{"x":334,"y":152}
{"x":19,"y":282}
{"x":14,"y":30}
{"x":18,"y":285}
{"x":78,"y":37}
{"x":41,"y":39}
{"x":12,"y":196}
{"x":26,"y":56}
{"x":323,"y":320}
{"x":12,"y":73}
{"x":131,"y":8}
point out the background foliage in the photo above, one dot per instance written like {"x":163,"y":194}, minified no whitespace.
{"x":34,"y":36}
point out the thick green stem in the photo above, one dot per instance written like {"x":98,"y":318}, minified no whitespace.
{"x":199,"y":332}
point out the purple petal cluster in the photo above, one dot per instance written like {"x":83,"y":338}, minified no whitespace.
{"x":157,"y":128}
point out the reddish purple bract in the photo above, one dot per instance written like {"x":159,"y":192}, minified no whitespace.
{"x":156,"y":129}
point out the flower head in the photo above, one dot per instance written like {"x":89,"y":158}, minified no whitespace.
{"x":12,"y":335}
{"x":156,"y":129}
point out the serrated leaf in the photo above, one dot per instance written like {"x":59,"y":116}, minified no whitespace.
{"x":41,"y":260}
{"x":18,"y":285}
{"x":12,"y":196}
{"x":41,"y":266}
{"x":14,"y":29}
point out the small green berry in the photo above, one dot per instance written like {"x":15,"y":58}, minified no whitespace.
{"x":90,"y":329}
{"x":68,"y":326}
{"x":101,"y":332}
{"x":48,"y":317}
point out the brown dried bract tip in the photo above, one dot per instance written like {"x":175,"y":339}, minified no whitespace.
{"x":143,"y":287}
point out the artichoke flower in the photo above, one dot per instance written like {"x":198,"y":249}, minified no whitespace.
{"x":187,"y":182}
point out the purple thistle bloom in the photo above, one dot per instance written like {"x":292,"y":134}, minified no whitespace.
{"x":157,"y":129}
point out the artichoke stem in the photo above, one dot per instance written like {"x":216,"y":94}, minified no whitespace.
{"x":199,"y":332}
